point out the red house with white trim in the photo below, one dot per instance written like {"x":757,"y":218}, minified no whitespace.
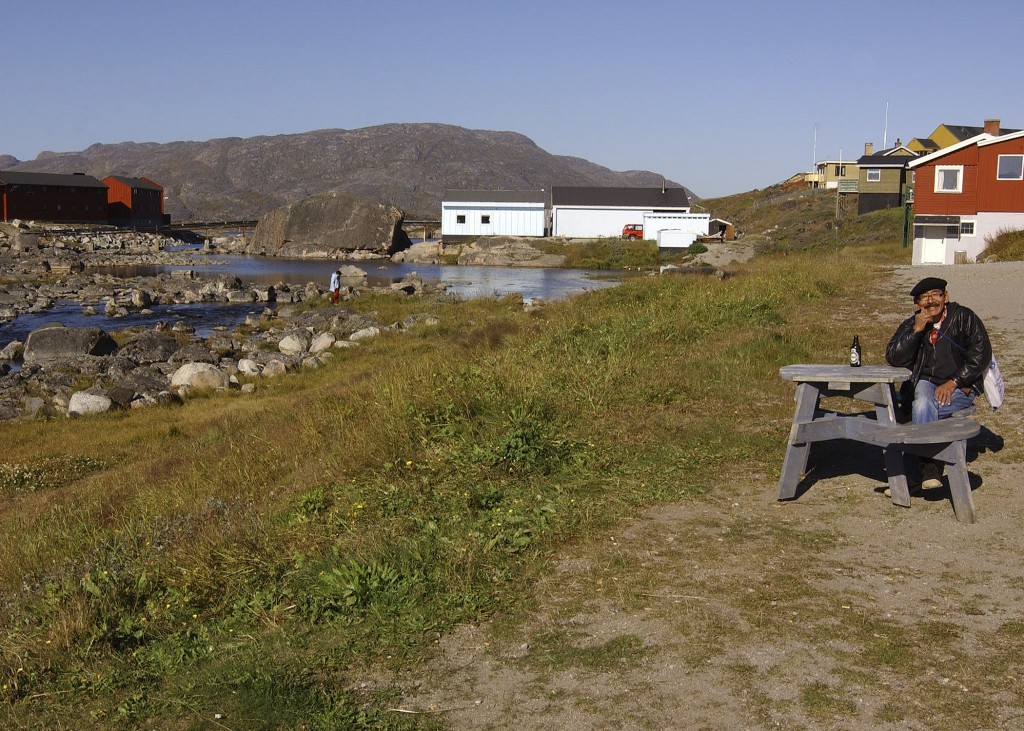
{"x":965,"y":193}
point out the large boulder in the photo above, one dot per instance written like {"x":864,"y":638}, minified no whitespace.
{"x":200,"y":375}
{"x":56,"y":341}
{"x":83,"y":402}
{"x":330,"y":225}
{"x":293,"y":344}
{"x":150,"y":347}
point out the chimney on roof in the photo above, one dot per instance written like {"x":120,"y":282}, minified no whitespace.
{"x":898,"y":143}
{"x":992,"y":127}
{"x":869,"y":148}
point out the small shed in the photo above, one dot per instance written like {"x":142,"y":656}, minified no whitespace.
{"x":722,"y":229}
{"x":693,"y":225}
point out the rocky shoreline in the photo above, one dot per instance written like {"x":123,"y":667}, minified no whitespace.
{"x":74,"y":371}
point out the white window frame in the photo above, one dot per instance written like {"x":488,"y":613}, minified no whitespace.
{"x":958,"y":169}
{"x":874,"y":175}
{"x":999,"y":168}
{"x":460,"y":219}
{"x":967,"y":228}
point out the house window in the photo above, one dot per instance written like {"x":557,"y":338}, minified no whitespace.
{"x":1011,"y":167}
{"x":485,"y":219}
{"x":949,"y":178}
{"x":952,"y":232}
{"x":461,"y":218}
{"x":874,"y":175}
{"x":967,"y":228}
{"x":840,"y":171}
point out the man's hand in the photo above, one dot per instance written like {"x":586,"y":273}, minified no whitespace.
{"x":921,"y":321}
{"x":944,"y":393}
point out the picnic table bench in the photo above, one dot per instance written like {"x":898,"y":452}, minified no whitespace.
{"x":944,"y":441}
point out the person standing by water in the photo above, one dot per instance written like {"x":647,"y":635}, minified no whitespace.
{"x":335,"y":285}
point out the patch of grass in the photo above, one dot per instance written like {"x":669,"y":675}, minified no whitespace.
{"x":556,"y":651}
{"x":1005,"y":246}
{"x":46,"y":473}
{"x":605,"y":253}
{"x":825,"y":703}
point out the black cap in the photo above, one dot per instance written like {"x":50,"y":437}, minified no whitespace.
{"x":927,"y":285}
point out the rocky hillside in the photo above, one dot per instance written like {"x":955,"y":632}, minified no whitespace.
{"x":406,"y":165}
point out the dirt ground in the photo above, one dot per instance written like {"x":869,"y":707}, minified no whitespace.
{"x":735,"y":611}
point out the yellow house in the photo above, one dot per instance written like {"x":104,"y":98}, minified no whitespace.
{"x":947,"y":135}
{"x":834,"y":174}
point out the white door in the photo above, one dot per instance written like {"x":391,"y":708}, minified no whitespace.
{"x":933,"y":247}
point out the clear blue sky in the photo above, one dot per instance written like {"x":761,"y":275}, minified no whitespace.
{"x":722,"y":96}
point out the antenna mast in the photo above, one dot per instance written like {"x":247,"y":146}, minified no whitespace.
{"x":814,"y":150}
{"x":885,"y":131}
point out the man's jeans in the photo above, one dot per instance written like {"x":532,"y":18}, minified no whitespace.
{"x":926,"y":408}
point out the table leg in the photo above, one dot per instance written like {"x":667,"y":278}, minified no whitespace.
{"x":885,"y":412}
{"x":895,"y":467}
{"x":960,"y":485}
{"x":795,"y":463}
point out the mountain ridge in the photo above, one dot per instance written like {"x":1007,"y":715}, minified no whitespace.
{"x":408,"y":165}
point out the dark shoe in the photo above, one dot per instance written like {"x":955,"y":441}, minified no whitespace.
{"x":931,"y":474}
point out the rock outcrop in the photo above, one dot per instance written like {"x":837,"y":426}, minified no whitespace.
{"x":484,"y":251}
{"x":57,"y":341}
{"x":331,"y":225}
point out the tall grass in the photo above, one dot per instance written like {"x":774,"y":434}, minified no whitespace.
{"x":1005,"y":246}
{"x":255,"y":556}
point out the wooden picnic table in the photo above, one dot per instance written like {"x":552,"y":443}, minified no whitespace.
{"x":944,"y":440}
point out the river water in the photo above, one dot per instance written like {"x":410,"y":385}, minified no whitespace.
{"x":462,"y":281}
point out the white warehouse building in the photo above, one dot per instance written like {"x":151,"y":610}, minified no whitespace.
{"x":472,"y":213}
{"x":585,"y":212}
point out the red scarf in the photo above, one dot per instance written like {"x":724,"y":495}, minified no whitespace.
{"x":934,"y":334}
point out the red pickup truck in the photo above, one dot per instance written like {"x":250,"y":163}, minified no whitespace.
{"x":633,"y":231}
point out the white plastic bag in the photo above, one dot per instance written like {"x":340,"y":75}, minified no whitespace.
{"x":994,"y":385}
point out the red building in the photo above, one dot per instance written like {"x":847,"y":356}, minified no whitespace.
{"x":966,"y":193}
{"x":74,"y":198}
{"x":134,"y":201}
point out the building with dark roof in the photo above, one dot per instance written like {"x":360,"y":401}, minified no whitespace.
{"x":591,"y":212}
{"x":965,"y":194}
{"x":947,"y":135}
{"x":75,"y":198}
{"x":883,"y":178}
{"x":134,"y":201}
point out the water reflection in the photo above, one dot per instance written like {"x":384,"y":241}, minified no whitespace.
{"x":467,"y":282}
{"x":463,"y":281}
{"x":205,"y":317}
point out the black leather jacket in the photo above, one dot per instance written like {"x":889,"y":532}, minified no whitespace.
{"x":964,"y":359}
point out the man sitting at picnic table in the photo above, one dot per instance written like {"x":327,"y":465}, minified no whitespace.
{"x":946,"y":347}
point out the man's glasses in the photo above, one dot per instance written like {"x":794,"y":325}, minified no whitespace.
{"x":935,"y":294}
